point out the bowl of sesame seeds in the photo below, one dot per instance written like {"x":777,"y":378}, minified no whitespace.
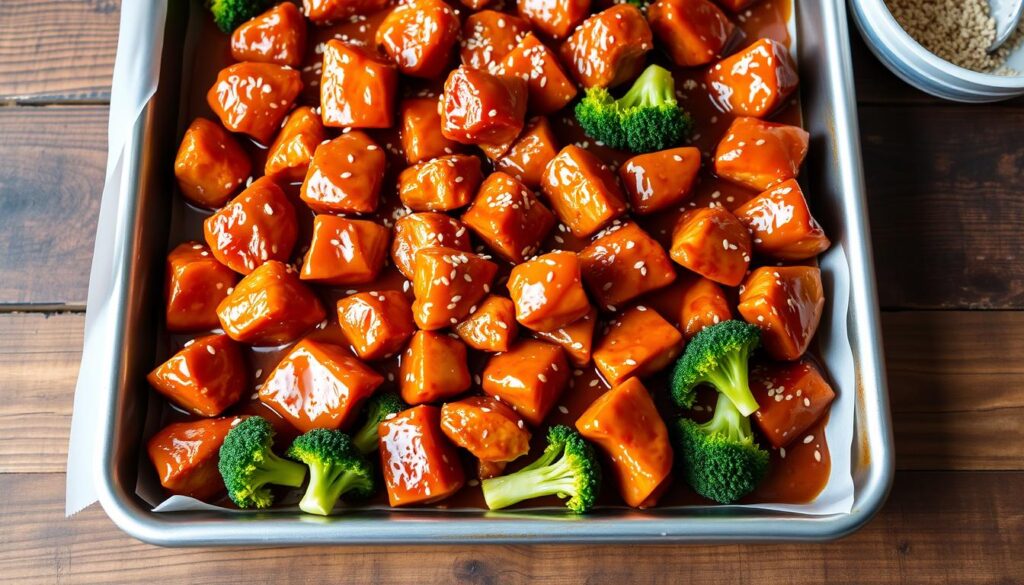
{"x":939,"y":46}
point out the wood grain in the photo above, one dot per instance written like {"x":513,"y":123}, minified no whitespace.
{"x":952,"y":389}
{"x":956,"y":384}
{"x":39,"y":360}
{"x":969,"y":531}
{"x":57,"y":50}
{"x":52,"y":162}
{"x":945,"y":205}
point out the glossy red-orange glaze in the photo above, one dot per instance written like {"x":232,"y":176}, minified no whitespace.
{"x":798,"y":477}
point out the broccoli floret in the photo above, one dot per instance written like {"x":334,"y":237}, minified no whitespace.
{"x":379,"y":408}
{"x":248,"y":464}
{"x":719,"y":458}
{"x":641,"y":4}
{"x":647,"y":118}
{"x":336,"y":468}
{"x":718,"y":355}
{"x":566,"y":468}
{"x":228,"y":14}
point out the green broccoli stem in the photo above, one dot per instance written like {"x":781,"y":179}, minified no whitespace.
{"x":728,"y":421}
{"x":326,"y":485}
{"x":279,"y":471}
{"x":731,"y":380}
{"x":528,"y":483}
{"x":654,"y":87}
{"x":367,"y":440}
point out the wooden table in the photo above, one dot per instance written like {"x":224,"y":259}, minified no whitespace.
{"x":946,"y":188}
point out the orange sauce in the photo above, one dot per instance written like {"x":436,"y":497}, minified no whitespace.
{"x":796,"y":478}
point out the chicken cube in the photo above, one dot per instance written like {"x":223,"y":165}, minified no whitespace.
{"x":488,"y":36}
{"x":270,"y":306}
{"x":345,"y":176}
{"x":760,"y":155}
{"x":548,"y":86}
{"x":582,"y":190}
{"x":483,"y":109}
{"x":786,"y":303}
{"x":417,"y":231}
{"x":196,"y":284}
{"x":185,"y":455}
{"x":256,"y":227}
{"x":625,"y":424}
{"x":554,"y":18}
{"x":206,"y":377}
{"x":277,"y":36}
{"x":441,"y":184}
{"x":419,"y":36}
{"x":703,"y":304}
{"x":376,"y":323}
{"x":448,"y":284}
{"x":530,"y":378}
{"x":492,"y":327}
{"x":289,"y":156}
{"x":210,"y":164}
{"x":656,"y":181}
{"x":433,"y":368}
{"x":548,"y":292}
{"x":357,"y":88}
{"x":781,"y":225}
{"x":319,"y":386}
{"x":509,"y":218}
{"x":576,"y":338}
{"x":420,"y":465}
{"x":623,"y":264}
{"x":253,"y":98}
{"x":792,"y":396}
{"x":713,"y":243}
{"x":756,"y":81}
{"x":420,"y":130}
{"x":530,"y":153}
{"x":345,"y":251}
{"x":609,"y":48}
{"x":639,"y":342}
{"x":693,"y":32}
{"x":487,"y":428}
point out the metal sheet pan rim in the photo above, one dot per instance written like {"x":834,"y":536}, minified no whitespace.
{"x":692,"y":525}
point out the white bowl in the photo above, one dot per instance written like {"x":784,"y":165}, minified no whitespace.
{"x":921,"y":68}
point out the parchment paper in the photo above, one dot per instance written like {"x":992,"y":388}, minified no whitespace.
{"x":134,"y":83}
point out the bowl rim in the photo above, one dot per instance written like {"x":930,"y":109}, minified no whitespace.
{"x":898,"y":40}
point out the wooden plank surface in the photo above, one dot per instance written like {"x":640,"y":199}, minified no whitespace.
{"x":57,"y":50}
{"x":956,"y":384}
{"x":39,"y":360}
{"x":945,"y":205}
{"x":945,"y":236}
{"x":938,"y":527}
{"x":52,"y":161}
{"x":952,"y":389}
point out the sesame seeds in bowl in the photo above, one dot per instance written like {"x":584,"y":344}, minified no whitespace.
{"x":947,"y":57}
